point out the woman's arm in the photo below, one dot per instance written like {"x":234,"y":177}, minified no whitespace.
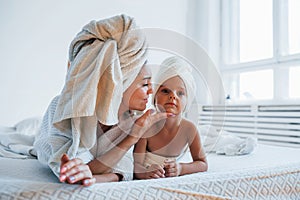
{"x":139,"y":157}
{"x":104,"y":163}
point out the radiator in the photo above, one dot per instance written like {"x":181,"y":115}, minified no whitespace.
{"x":272,"y":124}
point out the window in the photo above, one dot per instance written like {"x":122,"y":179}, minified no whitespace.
{"x":294,"y":91}
{"x":256,"y":85}
{"x":260,"y":52}
{"x":256,"y":38}
{"x":294,"y":30}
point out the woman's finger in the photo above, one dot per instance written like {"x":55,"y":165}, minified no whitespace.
{"x":70,"y":164}
{"x":147,"y":120}
{"x":159,"y":116}
{"x":89,"y":181}
{"x":74,"y":178}
{"x":150,"y":117}
{"x":79,"y":173}
{"x":77,"y":169}
{"x":64,"y":159}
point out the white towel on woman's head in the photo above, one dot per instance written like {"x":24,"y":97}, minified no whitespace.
{"x":105,"y":58}
{"x":175,"y":66}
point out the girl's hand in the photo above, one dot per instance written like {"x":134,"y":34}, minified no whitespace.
{"x":155,"y":171}
{"x":172,"y":168}
{"x":75,"y":171}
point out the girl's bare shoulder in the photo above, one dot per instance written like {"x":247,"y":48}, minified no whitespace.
{"x":188,"y":125}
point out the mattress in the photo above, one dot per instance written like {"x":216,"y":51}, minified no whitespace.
{"x":270,"y":172}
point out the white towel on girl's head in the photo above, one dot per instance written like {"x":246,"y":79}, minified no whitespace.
{"x":175,"y":66}
{"x":105,"y":57}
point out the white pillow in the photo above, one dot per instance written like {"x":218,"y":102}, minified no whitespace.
{"x":29,"y":126}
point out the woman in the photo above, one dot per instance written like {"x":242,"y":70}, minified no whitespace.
{"x":89,"y":128}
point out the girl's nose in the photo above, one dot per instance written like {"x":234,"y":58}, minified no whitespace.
{"x":172,"y":96}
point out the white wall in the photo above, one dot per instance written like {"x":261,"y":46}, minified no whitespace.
{"x":35,"y":37}
{"x":204,"y":27}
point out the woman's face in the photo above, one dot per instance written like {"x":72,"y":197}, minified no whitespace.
{"x":171,"y":96}
{"x":137,"y":94}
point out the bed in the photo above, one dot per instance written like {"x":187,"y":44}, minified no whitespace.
{"x":269,"y":172}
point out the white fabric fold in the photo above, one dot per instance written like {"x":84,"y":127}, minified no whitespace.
{"x":17,"y":141}
{"x":16,"y":145}
{"x":224,"y":142}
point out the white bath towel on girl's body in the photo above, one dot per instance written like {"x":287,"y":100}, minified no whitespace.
{"x":105,"y":57}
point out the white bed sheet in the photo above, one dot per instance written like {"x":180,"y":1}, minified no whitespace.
{"x":263,"y":156}
{"x":270,"y":172}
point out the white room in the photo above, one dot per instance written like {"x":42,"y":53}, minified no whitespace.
{"x":245,"y":58}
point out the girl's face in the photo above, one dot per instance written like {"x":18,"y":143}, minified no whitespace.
{"x":171,"y":96}
{"x":137,"y":94}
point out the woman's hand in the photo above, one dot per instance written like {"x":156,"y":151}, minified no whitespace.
{"x":143,"y":123}
{"x":75,"y":171}
{"x":172,"y":168}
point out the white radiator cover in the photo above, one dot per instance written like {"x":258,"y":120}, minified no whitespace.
{"x":273,"y":124}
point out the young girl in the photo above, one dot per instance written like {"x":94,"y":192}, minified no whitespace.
{"x":156,"y":155}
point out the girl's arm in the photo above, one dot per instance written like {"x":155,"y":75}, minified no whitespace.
{"x":199,"y":163}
